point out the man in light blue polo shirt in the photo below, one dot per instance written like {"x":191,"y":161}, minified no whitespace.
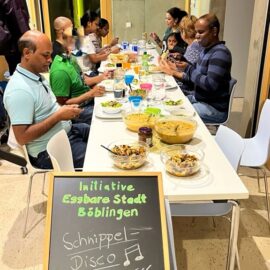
{"x":31,"y":105}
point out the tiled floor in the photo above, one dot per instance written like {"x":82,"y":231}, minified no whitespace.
{"x":199,"y":246}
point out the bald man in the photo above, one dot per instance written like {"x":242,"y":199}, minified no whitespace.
{"x":63,"y":45}
{"x":31,"y":105}
{"x":63,"y":31}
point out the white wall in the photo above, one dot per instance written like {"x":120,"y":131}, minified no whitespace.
{"x":237,"y":32}
{"x":144,"y":15}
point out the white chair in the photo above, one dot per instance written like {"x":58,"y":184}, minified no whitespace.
{"x":231,"y":92}
{"x":233,"y":146}
{"x":60,"y":152}
{"x":257,"y":150}
{"x":28,"y":169}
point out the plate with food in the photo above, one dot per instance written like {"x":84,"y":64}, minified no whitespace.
{"x":107,"y":84}
{"x":170,"y":83}
{"x":154,"y":69}
{"x":106,"y":66}
{"x":172,"y":104}
{"x":111,"y":106}
{"x":150,"y":45}
{"x":100,"y":112}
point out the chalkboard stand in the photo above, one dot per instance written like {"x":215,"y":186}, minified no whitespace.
{"x":140,"y":176}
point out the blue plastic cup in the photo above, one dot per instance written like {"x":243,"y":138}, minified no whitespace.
{"x":124,"y":45}
{"x":135,"y":101}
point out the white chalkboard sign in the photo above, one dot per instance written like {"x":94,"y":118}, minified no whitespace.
{"x":98,"y":221}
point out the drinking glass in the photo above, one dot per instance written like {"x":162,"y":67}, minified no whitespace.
{"x":159,"y":86}
{"x":118,"y":90}
{"x":134,"y":45}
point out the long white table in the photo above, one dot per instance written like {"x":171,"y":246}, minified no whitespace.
{"x":221,"y":183}
{"x":218,"y":181}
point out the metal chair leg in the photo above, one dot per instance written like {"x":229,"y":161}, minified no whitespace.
{"x":28,"y":203}
{"x":28,"y":198}
{"x":232,"y":247}
{"x":43,"y":185}
{"x":214,"y":222}
{"x":237,"y":260}
{"x":266,"y":195}
{"x":258,"y":180}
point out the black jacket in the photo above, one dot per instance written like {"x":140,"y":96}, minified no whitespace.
{"x":14,"y":21}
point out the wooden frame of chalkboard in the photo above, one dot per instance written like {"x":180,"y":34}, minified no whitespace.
{"x":152,"y":251}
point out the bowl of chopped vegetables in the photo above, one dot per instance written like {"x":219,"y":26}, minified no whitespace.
{"x":181,"y":161}
{"x":111,"y":106}
{"x":139,"y":92}
{"x":172,"y":105}
{"x":128,"y":154}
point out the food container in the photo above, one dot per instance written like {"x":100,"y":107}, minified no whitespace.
{"x":173,"y":129}
{"x":135,"y":120}
{"x":172,"y":105}
{"x":118,"y":58}
{"x":183,"y":112}
{"x":180,"y":161}
{"x":146,"y":86}
{"x":111,"y":106}
{"x":139,"y":93}
{"x":128,"y":154}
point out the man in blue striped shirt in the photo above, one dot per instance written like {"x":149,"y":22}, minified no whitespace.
{"x":211,"y":75}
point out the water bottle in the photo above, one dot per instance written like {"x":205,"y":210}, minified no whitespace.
{"x":119,"y":84}
{"x":145,"y":65}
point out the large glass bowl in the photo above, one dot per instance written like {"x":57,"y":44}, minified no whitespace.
{"x":180,"y":160}
{"x":136,"y":119}
{"x":128,"y":154}
{"x":175,"y":130}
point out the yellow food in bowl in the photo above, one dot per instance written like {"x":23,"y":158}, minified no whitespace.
{"x":174,"y":131}
{"x":134,"y":121}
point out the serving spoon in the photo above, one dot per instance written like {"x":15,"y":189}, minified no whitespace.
{"x":107,"y":149}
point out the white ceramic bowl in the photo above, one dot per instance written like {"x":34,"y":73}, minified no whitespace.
{"x":111,"y":109}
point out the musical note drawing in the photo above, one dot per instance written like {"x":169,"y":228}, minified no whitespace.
{"x":132,"y":249}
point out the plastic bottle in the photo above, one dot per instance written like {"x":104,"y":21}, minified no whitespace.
{"x":145,"y":65}
{"x":119,"y":82}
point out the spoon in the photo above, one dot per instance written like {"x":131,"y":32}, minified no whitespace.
{"x":176,"y":129}
{"x":130,"y":87}
{"x":107,"y":149}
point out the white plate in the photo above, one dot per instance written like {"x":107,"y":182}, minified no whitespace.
{"x":170,"y":83}
{"x":101,"y":114}
{"x":108,"y":84}
{"x":198,"y":180}
{"x":150,"y":46}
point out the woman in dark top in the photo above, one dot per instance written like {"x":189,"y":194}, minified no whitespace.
{"x":173,"y":17}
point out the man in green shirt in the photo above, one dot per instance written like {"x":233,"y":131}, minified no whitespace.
{"x":68,"y":85}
